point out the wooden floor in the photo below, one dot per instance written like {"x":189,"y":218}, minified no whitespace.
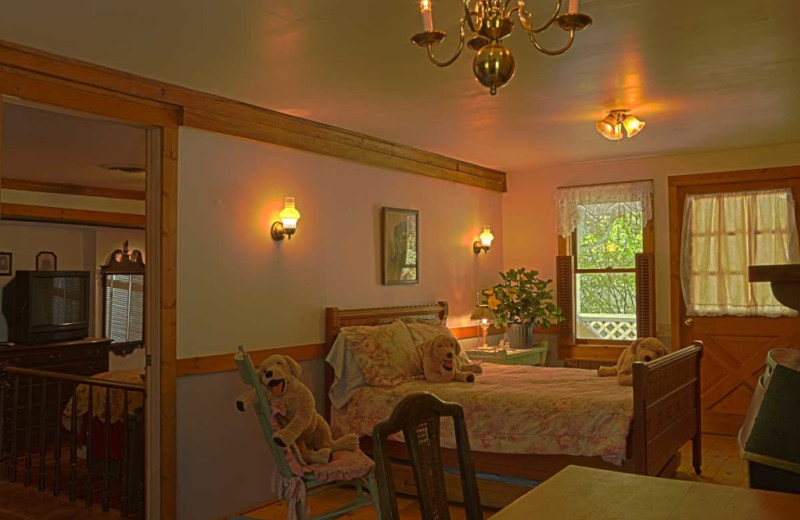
{"x":721,"y":465}
{"x":20,"y":503}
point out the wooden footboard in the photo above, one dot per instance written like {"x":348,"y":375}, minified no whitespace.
{"x":666,"y":404}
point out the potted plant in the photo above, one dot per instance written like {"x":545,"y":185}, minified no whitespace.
{"x":520,"y":302}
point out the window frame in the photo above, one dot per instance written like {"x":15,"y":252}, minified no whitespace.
{"x":569,"y":247}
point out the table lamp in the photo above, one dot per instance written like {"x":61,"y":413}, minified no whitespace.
{"x":483,"y":314}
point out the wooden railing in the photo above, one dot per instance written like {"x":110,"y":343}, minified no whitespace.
{"x":52,"y":436}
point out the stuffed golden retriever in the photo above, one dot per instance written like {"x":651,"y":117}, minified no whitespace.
{"x":302,"y":425}
{"x":643,"y":349}
{"x":441,"y":364}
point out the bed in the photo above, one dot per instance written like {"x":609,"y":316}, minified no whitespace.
{"x":662,"y":409}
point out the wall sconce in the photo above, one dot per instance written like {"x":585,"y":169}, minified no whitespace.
{"x":287,"y":225}
{"x":483,"y":314}
{"x":485,"y":241}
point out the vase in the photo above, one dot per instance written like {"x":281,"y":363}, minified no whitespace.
{"x":518,"y":335}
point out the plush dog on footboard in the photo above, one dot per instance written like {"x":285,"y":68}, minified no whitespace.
{"x":302,"y":425}
{"x":441,"y":364}
{"x":643,"y":349}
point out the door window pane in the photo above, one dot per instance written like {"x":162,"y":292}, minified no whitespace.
{"x":724,"y":234}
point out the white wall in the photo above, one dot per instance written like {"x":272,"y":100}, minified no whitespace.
{"x":236,"y":285}
{"x":529,"y":212}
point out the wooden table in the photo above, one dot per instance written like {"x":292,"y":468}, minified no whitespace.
{"x":577,"y":493}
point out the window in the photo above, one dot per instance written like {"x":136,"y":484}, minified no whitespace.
{"x":605,"y":268}
{"x":723,"y":234}
{"x":123,"y":299}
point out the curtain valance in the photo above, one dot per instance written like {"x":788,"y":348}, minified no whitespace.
{"x":594,"y":203}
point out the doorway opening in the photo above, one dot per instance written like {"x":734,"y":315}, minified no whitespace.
{"x":73,"y":217}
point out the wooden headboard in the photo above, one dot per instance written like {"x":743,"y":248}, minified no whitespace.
{"x":336,"y":318}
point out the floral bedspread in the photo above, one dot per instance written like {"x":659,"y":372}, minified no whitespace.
{"x":516,"y":409}
{"x":117,"y":397}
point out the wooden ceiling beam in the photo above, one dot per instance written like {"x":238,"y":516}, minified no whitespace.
{"x":219,"y":114}
{"x":70,"y":189}
{"x":29,"y":213}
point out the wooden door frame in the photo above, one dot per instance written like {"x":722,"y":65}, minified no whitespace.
{"x":752,"y":178}
{"x":161,"y":236}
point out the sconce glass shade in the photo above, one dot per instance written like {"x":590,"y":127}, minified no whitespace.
{"x":289,"y":214}
{"x":632,"y":125}
{"x":288,"y":220}
{"x":487,"y":237}
{"x":485,"y":241}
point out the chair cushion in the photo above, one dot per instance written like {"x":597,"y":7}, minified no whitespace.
{"x":345,"y":465}
{"x":386,"y":353}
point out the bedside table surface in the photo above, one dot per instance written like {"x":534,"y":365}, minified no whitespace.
{"x":533,"y":356}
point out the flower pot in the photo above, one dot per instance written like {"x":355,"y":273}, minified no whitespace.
{"x":518,"y":335}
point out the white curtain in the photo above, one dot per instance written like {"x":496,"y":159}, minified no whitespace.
{"x":723,"y":234}
{"x":591,"y":204}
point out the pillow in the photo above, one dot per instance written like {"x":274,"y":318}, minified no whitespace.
{"x":386,"y":354}
{"x":347,"y":375}
{"x":424,"y":329}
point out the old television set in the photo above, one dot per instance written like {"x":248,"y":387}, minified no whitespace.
{"x":47,"y":306}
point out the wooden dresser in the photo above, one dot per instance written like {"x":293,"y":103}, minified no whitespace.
{"x":82,"y":357}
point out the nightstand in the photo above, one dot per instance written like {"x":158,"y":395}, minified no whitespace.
{"x":534,"y":356}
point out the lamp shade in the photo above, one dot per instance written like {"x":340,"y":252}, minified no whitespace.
{"x":632,"y":125}
{"x":610,"y":128}
{"x":481,"y":312}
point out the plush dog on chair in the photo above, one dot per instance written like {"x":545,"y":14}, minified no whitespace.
{"x":643,"y":349}
{"x":441,"y":364}
{"x":302,"y":425}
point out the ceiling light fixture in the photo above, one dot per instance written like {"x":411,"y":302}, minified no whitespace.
{"x":611,"y":126}
{"x":490,"y":22}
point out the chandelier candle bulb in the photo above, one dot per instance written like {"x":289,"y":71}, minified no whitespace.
{"x":427,"y":15}
{"x":573,"y":6}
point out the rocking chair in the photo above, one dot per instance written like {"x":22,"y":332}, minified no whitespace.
{"x":292,"y":472}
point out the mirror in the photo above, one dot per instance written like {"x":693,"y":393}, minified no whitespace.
{"x":123,"y":300}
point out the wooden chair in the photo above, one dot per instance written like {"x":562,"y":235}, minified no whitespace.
{"x":418,"y":416}
{"x":366,"y":489}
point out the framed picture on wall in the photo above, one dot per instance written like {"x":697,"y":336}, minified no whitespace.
{"x":399,"y":246}
{"x":6,"y":264}
{"x":46,"y":261}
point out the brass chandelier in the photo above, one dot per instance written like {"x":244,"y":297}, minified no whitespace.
{"x":490,"y":22}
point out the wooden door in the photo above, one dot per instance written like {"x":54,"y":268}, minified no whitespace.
{"x":734,"y":347}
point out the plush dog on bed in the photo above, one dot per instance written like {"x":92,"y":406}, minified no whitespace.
{"x":441,"y":364}
{"x":643,"y":349}
{"x":302,"y":425}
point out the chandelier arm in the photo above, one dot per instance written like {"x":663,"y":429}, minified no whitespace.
{"x":458,"y":51}
{"x":562,"y":50}
{"x":526,"y":18}
{"x":468,"y":15}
